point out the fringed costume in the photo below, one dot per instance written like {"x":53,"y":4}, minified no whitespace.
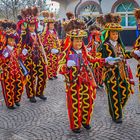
{"x":13,"y":71}
{"x":51,"y":45}
{"x":136,"y":52}
{"x":80,"y":84}
{"x":115,"y":74}
{"x":94,"y":42}
{"x":35,"y":60}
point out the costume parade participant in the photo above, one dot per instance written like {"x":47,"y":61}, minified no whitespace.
{"x":35,"y":60}
{"x":80,"y":84}
{"x":115,"y":74}
{"x":13,"y":70}
{"x":51,"y":45}
{"x":136,"y":52}
{"x":94,"y":42}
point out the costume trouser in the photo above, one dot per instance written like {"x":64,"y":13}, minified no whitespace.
{"x":12,"y":87}
{"x":52,"y":65}
{"x":98,"y":76}
{"x":80,"y":99}
{"x":118,"y":92}
{"x":36,"y":81}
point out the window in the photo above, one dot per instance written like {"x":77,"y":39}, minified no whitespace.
{"x":126,"y":10}
{"x":88,"y":9}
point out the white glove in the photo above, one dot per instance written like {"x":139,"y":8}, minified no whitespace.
{"x":110,"y":60}
{"x":24,"y":51}
{"x":5,"y":54}
{"x":54,"y":51}
{"x":71,"y":63}
{"x":137,"y":52}
{"x":96,"y":43}
{"x":89,"y":49}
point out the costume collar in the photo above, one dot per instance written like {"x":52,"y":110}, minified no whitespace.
{"x":51,"y":31}
{"x":33,"y":33}
{"x":78,"y":51}
{"x":113,"y":43}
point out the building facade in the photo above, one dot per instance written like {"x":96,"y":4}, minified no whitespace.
{"x":89,"y":9}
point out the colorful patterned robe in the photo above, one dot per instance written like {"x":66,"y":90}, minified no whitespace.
{"x":50,"y":41}
{"x":80,"y":86}
{"x":116,"y":78}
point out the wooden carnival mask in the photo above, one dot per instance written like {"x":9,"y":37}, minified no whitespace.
{"x":77,"y":43}
{"x":51,"y":26}
{"x":114,"y":35}
{"x":11,"y":41}
{"x":31,"y":27}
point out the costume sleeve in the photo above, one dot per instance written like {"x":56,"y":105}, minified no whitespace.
{"x":62,"y":63}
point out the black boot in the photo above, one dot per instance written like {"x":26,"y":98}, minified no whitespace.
{"x":76,"y":130}
{"x":32,"y":100}
{"x":117,"y":120}
{"x":42,"y":97}
{"x":17,"y":104}
{"x":88,"y":127}
{"x":50,"y":78}
{"x":55,"y":77}
{"x":11,"y":107}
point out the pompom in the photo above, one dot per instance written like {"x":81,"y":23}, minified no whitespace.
{"x":51,"y":15}
{"x":100,"y":20}
{"x":137,"y":13}
{"x":117,"y":18}
{"x":75,"y":24}
{"x":69,"y":15}
{"x":24,"y":13}
{"x":94,"y":27}
{"x":35,"y":11}
{"x":29,"y":11}
{"x":109,"y":18}
{"x":45,"y":14}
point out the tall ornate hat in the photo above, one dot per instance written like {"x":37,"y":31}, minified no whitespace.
{"x":30,"y":15}
{"x":46,"y":15}
{"x":70,"y":15}
{"x":110,"y":21}
{"x":95,"y":30}
{"x":49,"y":17}
{"x":9,"y":28}
{"x":75,"y":28}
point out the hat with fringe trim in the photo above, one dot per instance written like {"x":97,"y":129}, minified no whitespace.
{"x":30,"y":14}
{"x":49,"y":17}
{"x":9,"y":27}
{"x":75,"y":28}
{"x":110,"y":22}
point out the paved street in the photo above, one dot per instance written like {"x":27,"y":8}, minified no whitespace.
{"x":48,"y":120}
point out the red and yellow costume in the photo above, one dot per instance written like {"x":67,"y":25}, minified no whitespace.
{"x":12,"y":76}
{"x":137,"y":47}
{"x":35,"y":60}
{"x":94,"y":42}
{"x":137,"y":44}
{"x":50,"y":42}
{"x":80,"y":84}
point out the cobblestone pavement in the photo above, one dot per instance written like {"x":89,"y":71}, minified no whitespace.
{"x":49,"y":121}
